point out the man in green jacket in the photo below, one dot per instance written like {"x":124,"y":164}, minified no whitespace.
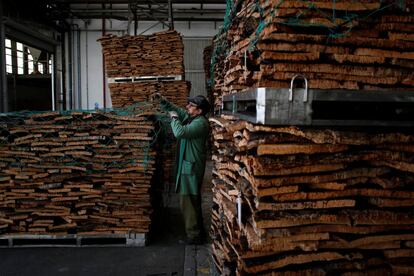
{"x":191,"y":129}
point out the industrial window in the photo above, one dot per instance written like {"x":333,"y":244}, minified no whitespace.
{"x":40,"y":68}
{"x":20,"y":58}
{"x":9,"y":57}
{"x":30,"y":63}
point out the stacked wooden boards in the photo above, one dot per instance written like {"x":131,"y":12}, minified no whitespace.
{"x":314,"y":201}
{"x":365,"y":45}
{"x":77,"y":172}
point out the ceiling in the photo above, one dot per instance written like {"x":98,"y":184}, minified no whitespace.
{"x":148,"y":10}
{"x":56,"y":12}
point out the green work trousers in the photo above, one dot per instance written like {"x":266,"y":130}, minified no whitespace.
{"x":193,"y":218}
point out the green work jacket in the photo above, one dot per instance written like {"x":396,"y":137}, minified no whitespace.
{"x":192,"y":134}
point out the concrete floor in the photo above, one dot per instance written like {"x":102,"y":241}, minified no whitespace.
{"x":154,"y":260}
{"x":163,"y":256}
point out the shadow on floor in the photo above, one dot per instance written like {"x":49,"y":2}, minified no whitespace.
{"x":163,"y":256}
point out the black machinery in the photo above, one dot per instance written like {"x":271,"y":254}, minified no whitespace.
{"x":303,"y":106}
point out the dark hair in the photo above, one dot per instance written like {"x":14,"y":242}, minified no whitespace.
{"x":201,"y":102}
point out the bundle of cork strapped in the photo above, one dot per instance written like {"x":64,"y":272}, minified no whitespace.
{"x":314,"y":201}
{"x":366,"y":45}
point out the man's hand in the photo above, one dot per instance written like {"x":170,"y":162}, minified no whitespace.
{"x":173,"y":115}
{"x":156,"y":97}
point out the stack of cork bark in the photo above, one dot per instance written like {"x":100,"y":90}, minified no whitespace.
{"x":314,"y":201}
{"x":335,"y":44}
{"x":125,"y":94}
{"x":207,"y":54}
{"x":148,"y":64}
{"x":143,"y":55}
{"x":76,"y":173}
{"x":144,"y":62}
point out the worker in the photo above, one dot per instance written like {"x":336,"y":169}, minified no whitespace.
{"x":191,"y":129}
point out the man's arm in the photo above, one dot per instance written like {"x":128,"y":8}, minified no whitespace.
{"x":195,"y":129}
{"x":168,"y":106}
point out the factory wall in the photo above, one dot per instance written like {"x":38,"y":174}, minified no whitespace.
{"x":85,"y":85}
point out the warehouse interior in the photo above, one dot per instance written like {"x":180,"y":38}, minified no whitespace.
{"x":58,"y":39}
{"x":310,"y":152}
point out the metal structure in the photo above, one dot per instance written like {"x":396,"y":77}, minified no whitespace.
{"x":303,"y":106}
{"x":57,"y":26}
{"x":3,"y":80}
{"x":164,"y":11}
{"x":144,"y":78}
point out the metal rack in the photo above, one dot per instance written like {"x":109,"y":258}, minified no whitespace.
{"x":144,"y":78}
{"x":303,"y":106}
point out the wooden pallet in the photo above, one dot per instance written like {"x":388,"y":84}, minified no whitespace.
{"x":74,"y":240}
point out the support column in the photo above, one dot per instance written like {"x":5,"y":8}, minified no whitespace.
{"x":170,"y":15}
{"x":4,"y":99}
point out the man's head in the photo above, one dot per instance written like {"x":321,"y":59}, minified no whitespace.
{"x":197,"y":105}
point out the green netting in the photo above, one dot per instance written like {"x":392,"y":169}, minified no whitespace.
{"x":221,"y":46}
{"x":78,"y":138}
{"x":347,"y":21}
{"x":80,"y":171}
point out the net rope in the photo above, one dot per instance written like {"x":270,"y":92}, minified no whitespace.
{"x":340,"y":24}
{"x":19,"y":131}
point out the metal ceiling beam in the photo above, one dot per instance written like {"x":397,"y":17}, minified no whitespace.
{"x":148,"y":18}
{"x":176,"y":11}
{"x":153,"y":11}
{"x":140,"y":2}
{"x":28,"y":36}
{"x":146,"y":14}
